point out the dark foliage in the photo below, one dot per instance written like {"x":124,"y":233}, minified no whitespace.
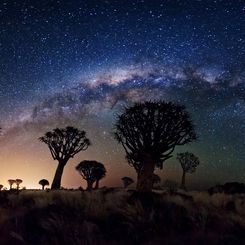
{"x":43,"y":183}
{"x":91,"y":171}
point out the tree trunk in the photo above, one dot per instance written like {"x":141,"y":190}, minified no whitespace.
{"x":89,"y":185}
{"x":17,"y":186}
{"x":96,"y":185}
{"x":42,"y":187}
{"x":183,"y":181}
{"x":57,"y":177}
{"x":145,"y":176}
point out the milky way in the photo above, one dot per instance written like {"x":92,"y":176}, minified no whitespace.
{"x":79,"y":63}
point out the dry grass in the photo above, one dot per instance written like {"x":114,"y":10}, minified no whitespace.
{"x":109,"y":216}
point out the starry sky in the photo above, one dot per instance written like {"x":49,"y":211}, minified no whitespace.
{"x":78,"y":62}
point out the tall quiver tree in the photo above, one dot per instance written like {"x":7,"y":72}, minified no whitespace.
{"x":64,"y":144}
{"x":149,"y":133}
{"x":18,"y":182}
{"x":189,"y":163}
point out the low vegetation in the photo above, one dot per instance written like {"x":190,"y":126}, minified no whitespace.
{"x":121,"y":216}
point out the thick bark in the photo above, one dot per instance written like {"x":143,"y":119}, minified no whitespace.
{"x":89,"y":185}
{"x":183,"y":181}
{"x":96,"y":185}
{"x":145,"y":175}
{"x":57,"y":177}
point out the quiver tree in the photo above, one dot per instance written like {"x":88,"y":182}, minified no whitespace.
{"x":149,"y":133}
{"x":189,"y":163}
{"x":43,"y":183}
{"x":64,"y":144}
{"x":91,"y":171}
{"x":127,"y":181}
{"x":11,"y":182}
{"x":18,"y":182}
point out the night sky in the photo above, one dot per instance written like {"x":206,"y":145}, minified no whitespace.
{"x":78,"y":62}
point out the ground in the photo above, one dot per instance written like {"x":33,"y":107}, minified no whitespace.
{"x":119,"y":216}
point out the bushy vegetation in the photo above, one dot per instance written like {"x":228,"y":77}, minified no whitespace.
{"x":118,"y":216}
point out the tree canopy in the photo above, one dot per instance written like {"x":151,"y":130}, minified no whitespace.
{"x":65,"y":143}
{"x":91,"y":171}
{"x":149,"y":133}
{"x":153,"y":127}
{"x":188,"y":161}
{"x":43,"y":182}
{"x":11,"y":182}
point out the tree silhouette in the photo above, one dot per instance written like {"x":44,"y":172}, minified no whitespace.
{"x":149,"y":133}
{"x":1,"y":187}
{"x":127,"y":181}
{"x":18,"y":182}
{"x":99,"y":173}
{"x":189,"y":163}
{"x":11,"y":182}
{"x":64,"y":144}
{"x":43,"y":182}
{"x":90,"y":171}
{"x":156,"y":179}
